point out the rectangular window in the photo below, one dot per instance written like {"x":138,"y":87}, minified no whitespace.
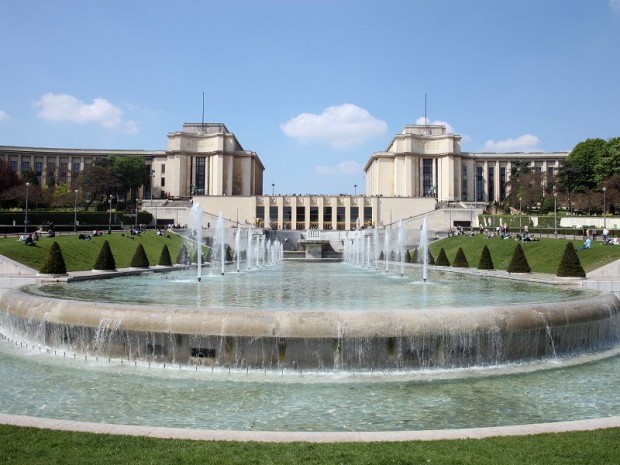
{"x":368,"y":216}
{"x":162,"y":182}
{"x":13,"y":166}
{"x":273,"y":217}
{"x":550,"y":176}
{"x":300,"y":218}
{"x":163,"y":168}
{"x":38,"y":170}
{"x":340,"y":218}
{"x":327,"y":218}
{"x":287,"y":217}
{"x":260,"y":216}
{"x":502,"y":184}
{"x":63,"y":172}
{"x":75,"y":169}
{"x":199,"y":187}
{"x":51,"y":173}
{"x":427,"y":178}
{"x":479,"y":184}
{"x":491,"y":184}
{"x":25,"y":166}
{"x":355,"y":217}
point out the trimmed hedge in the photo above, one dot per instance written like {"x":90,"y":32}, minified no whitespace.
{"x":486,"y":262}
{"x":105,"y":260}
{"x":442,"y":258}
{"x":55,"y":263}
{"x":570,"y":265}
{"x":139,"y":259}
{"x":164,"y":258}
{"x":518,"y":263}
{"x":460,"y":261}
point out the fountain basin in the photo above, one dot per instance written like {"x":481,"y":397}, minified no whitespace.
{"x":316,"y":338}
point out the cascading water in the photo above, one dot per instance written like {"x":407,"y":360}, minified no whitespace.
{"x":218,"y":252}
{"x":401,"y":247}
{"x":423,"y":247}
{"x":248,"y":249}
{"x":195,"y":217}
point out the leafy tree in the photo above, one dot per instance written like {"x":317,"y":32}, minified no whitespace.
{"x":578,"y":173}
{"x":31,"y":177}
{"x":55,"y":263}
{"x":518,"y":263}
{"x":486,"y":262}
{"x":139,"y":259}
{"x":164,"y":258}
{"x":105,"y":260}
{"x":131,"y":172}
{"x":570,"y":265}
{"x":8,"y":177}
{"x":442,"y":258}
{"x":609,"y":163}
{"x":98,"y":181}
{"x":460,"y":261}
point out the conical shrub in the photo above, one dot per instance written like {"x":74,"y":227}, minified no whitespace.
{"x":183,"y":256}
{"x":519,"y":263}
{"x":486,"y":262}
{"x":460,"y":261}
{"x":105,"y":260}
{"x":414,"y":256}
{"x":570,"y":266}
{"x":431,"y":259}
{"x":139,"y":259}
{"x":55,"y":263}
{"x":164,"y":258}
{"x":381,"y":256}
{"x":442,"y":258}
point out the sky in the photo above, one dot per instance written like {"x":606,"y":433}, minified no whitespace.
{"x":314,"y":87}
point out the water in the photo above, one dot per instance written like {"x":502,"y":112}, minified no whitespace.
{"x":303,"y":286}
{"x":67,"y":388}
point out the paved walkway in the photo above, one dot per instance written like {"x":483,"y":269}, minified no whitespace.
{"x":607,"y":278}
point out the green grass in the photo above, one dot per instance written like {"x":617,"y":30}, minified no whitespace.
{"x":82,"y":255}
{"x":33,"y":446}
{"x":543,"y":256}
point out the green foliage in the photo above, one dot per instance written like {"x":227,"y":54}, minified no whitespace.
{"x":8,"y":177}
{"x":105,"y":260}
{"x":431,"y":259}
{"x":578,"y":173}
{"x":570,"y":266}
{"x":442,"y":258}
{"x":407,"y":256}
{"x":164,"y":258}
{"x":381,"y":256}
{"x":131,"y":172}
{"x":460,"y":261}
{"x":183,"y":256}
{"x":228,"y":255}
{"x":486,"y":262}
{"x":519,"y":263}
{"x":608,"y":164}
{"x":140,"y":260}
{"x":414,"y":256}
{"x":55,"y":263}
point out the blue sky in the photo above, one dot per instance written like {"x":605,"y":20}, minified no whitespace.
{"x":313,"y":86}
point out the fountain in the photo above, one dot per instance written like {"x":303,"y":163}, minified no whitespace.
{"x":195,"y":224}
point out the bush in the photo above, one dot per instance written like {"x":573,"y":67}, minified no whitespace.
{"x":105,"y":260}
{"x":570,"y":266}
{"x":381,"y":256}
{"x":431,"y":259}
{"x":519,"y":263}
{"x":164,"y":258}
{"x":486,"y":262}
{"x":414,"y":256}
{"x":442,"y":258}
{"x":139,"y":259}
{"x":183,"y":256}
{"x":460,"y":261}
{"x":407,"y":256}
{"x":55,"y":263}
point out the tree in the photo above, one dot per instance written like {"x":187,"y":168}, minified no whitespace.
{"x":164,"y":258}
{"x":578,"y":173}
{"x":442,"y":258}
{"x":609,"y":163}
{"x":570,"y":265}
{"x":105,"y":260}
{"x":518,"y":263}
{"x":55,"y":263}
{"x":460,"y":261}
{"x":8,"y":177}
{"x":98,"y":181}
{"x":139,"y":259}
{"x":486,"y":262}
{"x":131,"y":172}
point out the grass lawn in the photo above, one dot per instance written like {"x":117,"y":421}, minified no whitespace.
{"x":543,"y":256}
{"x":33,"y":446}
{"x":81,"y":255}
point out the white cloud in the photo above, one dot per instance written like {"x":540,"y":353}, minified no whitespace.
{"x":4,"y":115}
{"x":423,"y":120}
{"x":342,"y":127}
{"x":524,"y":143}
{"x":63,"y":107}
{"x":345,"y":167}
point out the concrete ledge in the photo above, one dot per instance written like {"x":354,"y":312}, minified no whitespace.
{"x":313,"y":437}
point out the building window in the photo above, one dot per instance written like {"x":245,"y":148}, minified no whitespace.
{"x":25,"y":166}
{"x":427,"y":178}
{"x":199,"y":187}
{"x":491,"y":183}
{"x":162,"y":182}
{"x":163,"y":168}
{"x":502,"y":183}
{"x":260,"y":216}
{"x":479,"y":184}
{"x":51,"y":173}
{"x":327,"y":218}
{"x":340,"y":218}
{"x":287,"y":217}
{"x":368,"y":216}
{"x":550,"y":176}
{"x":300,"y":218}
{"x":355,"y":216}
{"x":13,"y":166}
{"x":38,"y":170}
{"x":63,"y":172}
{"x":314,"y":217}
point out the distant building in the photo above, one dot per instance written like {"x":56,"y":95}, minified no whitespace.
{"x":421,"y":166}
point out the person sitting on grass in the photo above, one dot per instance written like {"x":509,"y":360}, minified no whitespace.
{"x":29,"y":240}
{"x":587,"y":244}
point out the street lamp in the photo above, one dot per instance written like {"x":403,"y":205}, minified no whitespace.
{"x":110,"y":220}
{"x":604,"y":209}
{"x":75,"y":212}
{"x":26,"y":212}
{"x":273,"y":189}
{"x":520,"y":213}
{"x":355,"y":188}
{"x":555,"y":214}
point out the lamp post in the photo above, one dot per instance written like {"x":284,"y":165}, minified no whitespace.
{"x":355,"y":189}
{"x":273,"y":189}
{"x":520,"y":214}
{"x":604,"y":208}
{"x":26,"y":211}
{"x":555,"y":214}
{"x":75,"y":212}
{"x":110,"y":218}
